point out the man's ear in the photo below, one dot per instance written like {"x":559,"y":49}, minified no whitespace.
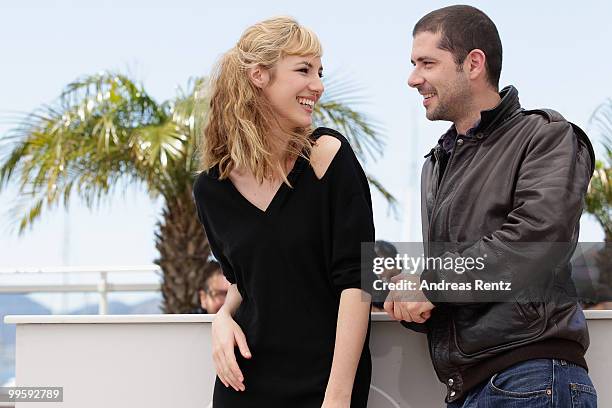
{"x":476,"y":63}
{"x":259,"y":76}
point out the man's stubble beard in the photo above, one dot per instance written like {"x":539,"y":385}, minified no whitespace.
{"x":455,"y":105}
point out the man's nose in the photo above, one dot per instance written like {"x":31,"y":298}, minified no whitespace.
{"x":414,"y":79}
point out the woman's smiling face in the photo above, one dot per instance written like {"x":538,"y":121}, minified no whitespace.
{"x":293,"y":87}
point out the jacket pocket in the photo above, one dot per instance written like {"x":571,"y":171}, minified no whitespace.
{"x":488,"y":327}
{"x":529,"y":310}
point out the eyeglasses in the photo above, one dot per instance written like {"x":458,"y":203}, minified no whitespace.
{"x":217,"y":294}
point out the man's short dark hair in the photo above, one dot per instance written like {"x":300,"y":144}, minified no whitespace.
{"x":211,"y":269}
{"x":385,"y":249}
{"x":463,"y":29}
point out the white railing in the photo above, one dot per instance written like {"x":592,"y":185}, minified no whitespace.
{"x":102,"y":286}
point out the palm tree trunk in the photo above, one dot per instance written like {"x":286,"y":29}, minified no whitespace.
{"x":604,"y":264}
{"x":183,"y":254}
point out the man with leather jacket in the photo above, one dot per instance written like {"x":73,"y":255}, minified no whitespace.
{"x":506,"y":184}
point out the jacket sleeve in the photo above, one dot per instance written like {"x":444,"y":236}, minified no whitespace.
{"x":540,"y":232}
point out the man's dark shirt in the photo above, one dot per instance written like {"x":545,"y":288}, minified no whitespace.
{"x":199,"y":310}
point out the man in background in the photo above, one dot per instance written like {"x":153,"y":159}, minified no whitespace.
{"x":213,"y":290}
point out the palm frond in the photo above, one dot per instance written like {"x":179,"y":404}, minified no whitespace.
{"x":601,"y":120}
{"x":335,"y":110}
{"x":81,"y":142}
{"x":386,"y":194}
{"x":598,"y":201}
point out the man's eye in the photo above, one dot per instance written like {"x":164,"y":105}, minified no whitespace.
{"x":304,"y":70}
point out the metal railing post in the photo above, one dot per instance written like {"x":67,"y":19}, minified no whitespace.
{"x":103,"y":291}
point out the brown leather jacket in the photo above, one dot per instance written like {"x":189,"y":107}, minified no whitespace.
{"x":520,"y":178}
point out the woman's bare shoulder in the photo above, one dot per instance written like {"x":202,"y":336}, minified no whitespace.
{"x":323,"y":152}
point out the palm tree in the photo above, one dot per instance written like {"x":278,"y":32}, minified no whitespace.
{"x":599,"y":197}
{"x":599,"y":194}
{"x":106,"y":132}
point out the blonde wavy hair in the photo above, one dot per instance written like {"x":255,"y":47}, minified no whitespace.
{"x":236,"y":133}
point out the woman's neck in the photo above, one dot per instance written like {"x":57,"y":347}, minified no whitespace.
{"x":279,"y":142}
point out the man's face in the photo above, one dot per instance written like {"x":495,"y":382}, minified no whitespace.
{"x":213,"y":299}
{"x":444,"y":86}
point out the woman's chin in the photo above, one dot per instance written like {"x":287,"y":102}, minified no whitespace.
{"x":297,"y":122}
{"x":307,"y":122}
{"x":302,"y":124}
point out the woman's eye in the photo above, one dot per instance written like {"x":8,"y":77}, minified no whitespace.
{"x":304,"y":70}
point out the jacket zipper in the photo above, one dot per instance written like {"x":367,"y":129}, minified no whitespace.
{"x":436,"y":153}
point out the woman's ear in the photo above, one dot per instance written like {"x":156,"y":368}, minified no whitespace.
{"x":259,"y":76}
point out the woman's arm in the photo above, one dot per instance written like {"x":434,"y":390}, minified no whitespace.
{"x":226,"y":334}
{"x":352,"y":225}
{"x":351,"y":330}
{"x":232,"y":301}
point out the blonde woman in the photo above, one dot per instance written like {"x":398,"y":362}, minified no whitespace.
{"x":285,"y":209}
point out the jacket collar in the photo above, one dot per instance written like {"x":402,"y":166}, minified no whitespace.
{"x":490,"y":119}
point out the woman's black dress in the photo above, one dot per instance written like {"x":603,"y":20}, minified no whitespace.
{"x":290,"y":264}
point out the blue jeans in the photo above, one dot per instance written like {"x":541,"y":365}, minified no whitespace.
{"x":534,"y":384}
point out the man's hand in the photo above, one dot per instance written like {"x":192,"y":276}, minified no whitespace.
{"x":408,"y":305}
{"x":417,"y":312}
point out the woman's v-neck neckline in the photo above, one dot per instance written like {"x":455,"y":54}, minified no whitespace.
{"x":280,"y":192}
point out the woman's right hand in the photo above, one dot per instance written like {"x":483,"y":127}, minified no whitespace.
{"x":226,"y":334}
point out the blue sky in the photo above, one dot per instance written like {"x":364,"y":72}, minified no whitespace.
{"x":556,"y":53}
